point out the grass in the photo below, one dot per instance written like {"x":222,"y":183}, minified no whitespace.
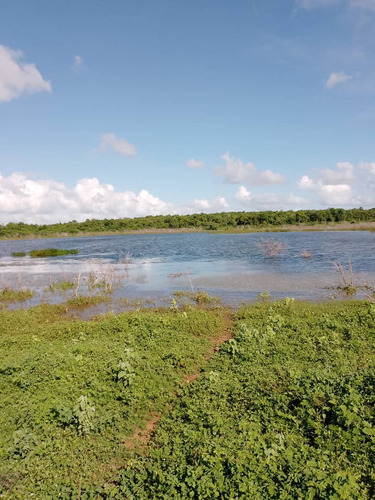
{"x":114,"y":408}
{"x":18,"y":254}
{"x":51,"y":252}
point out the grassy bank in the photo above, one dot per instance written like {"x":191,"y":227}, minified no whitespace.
{"x":284,"y":409}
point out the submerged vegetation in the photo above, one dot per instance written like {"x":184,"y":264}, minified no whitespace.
{"x":51,"y":252}
{"x":146,"y":404}
{"x":224,"y":221}
{"x":11,"y":295}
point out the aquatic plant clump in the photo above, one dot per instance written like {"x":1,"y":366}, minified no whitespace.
{"x":51,"y":252}
{"x":10,"y":295}
{"x":18,"y":254}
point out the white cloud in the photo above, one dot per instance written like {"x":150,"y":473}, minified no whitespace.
{"x":203,"y":205}
{"x":17,"y":78}
{"x":48,"y":201}
{"x":192,"y":163}
{"x":268,"y":201}
{"x":368,"y":167}
{"x":243,"y":194}
{"x":335,"y":195}
{"x":235,"y":171}
{"x":44,"y":201}
{"x":344,"y":173}
{"x":110,"y":141}
{"x":333,"y":187}
{"x":337,"y":78}
{"x":78,"y":62}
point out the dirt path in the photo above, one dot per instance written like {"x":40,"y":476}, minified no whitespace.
{"x":141,"y":436}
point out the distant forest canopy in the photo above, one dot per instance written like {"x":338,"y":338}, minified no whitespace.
{"x":208,"y":222}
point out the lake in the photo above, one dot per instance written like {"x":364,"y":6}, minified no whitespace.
{"x":232,"y":266}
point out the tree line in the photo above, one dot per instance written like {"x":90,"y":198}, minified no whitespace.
{"x":223,"y":221}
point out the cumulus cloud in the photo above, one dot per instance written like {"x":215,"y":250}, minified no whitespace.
{"x":235,"y":171}
{"x":47,"y":201}
{"x":192,"y":163}
{"x":202,"y":205}
{"x":268,"y":201}
{"x":347,"y":185}
{"x":78,"y":62}
{"x":337,"y":78}
{"x":118,"y":144}
{"x":368,"y":167}
{"x":44,"y":201}
{"x":17,"y":78}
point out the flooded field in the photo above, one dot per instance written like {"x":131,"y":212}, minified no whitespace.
{"x":235,"y":267}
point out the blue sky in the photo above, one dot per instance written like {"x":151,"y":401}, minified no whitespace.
{"x":126,"y":108}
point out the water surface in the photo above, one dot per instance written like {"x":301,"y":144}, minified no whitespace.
{"x":231,"y":266}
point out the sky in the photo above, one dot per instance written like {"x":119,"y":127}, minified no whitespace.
{"x":119,"y":108}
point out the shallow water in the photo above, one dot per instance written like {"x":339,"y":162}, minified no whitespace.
{"x":231,"y":266}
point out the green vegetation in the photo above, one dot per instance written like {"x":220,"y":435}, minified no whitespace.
{"x":84,"y":301}
{"x":51,"y":252}
{"x":61,"y":286}
{"x":10,"y":295}
{"x":225,"y":221}
{"x":284,"y":409}
{"x":77,"y":396}
{"x":18,"y":254}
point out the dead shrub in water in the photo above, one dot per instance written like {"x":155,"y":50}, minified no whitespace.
{"x":271,"y":248}
{"x":306,"y":255}
{"x":347,"y":278}
{"x":187,"y":273}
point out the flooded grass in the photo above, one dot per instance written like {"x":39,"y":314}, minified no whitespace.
{"x":51,"y":252}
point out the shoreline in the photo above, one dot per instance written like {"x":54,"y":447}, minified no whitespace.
{"x":342,"y":226}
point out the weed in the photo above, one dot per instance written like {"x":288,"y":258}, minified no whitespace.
{"x":83,"y":414}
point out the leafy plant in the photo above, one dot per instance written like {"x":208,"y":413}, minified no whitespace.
{"x":83,"y":414}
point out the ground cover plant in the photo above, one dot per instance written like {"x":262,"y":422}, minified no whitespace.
{"x":77,"y":396}
{"x":284,"y":411}
{"x":51,"y":252}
